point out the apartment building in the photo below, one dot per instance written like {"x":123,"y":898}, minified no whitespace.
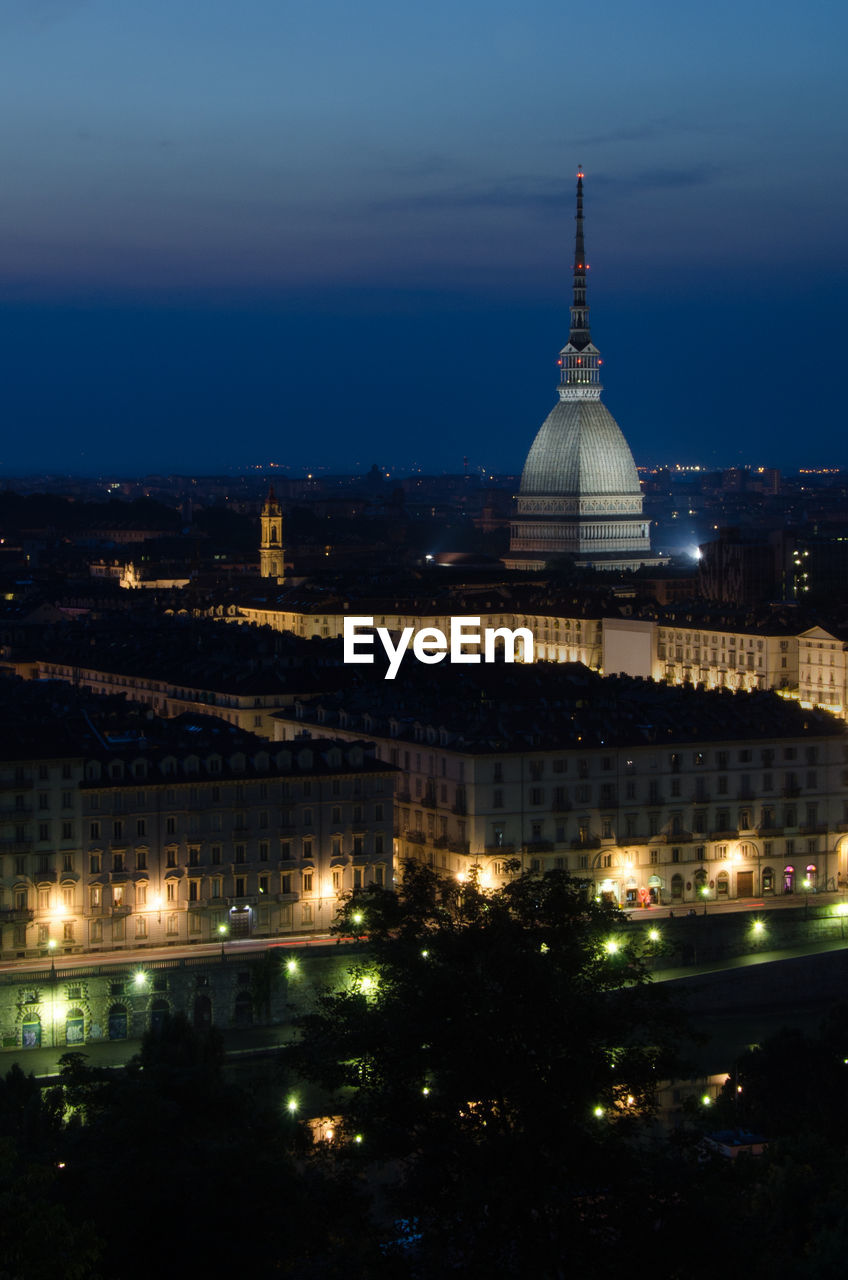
{"x":681,"y":644}
{"x":651,"y":792}
{"x":147,"y":832}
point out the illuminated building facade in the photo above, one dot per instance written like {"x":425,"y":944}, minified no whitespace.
{"x":580,"y":494}
{"x":759,"y":810}
{"x":216,"y":836}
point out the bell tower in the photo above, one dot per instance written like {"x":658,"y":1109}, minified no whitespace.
{"x":271,"y":559}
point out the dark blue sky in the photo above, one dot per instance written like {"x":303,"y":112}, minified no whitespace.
{"x":319,"y":233}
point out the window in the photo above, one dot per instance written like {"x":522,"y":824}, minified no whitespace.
{"x":141,"y":895}
{"x":117,"y":862}
{"x":141,"y":827}
{"x":378,"y":843}
{"x":141,"y":926}
{"x":216,"y":855}
{"x":67,"y":862}
{"x":170,"y":826}
{"x":307,"y":882}
{"x":337,"y":881}
{"x":94,"y":831}
{"x":170,"y":891}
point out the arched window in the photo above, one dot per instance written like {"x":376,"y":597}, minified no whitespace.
{"x":118,"y":1022}
{"x":75,"y":1027}
{"x":677,"y":887}
{"x":722,"y":884}
{"x":768,"y":879}
{"x":789,"y":879}
{"x":31,"y":1031}
{"x":159,"y":1013}
{"x":202,"y":1013}
{"x":810,"y":878}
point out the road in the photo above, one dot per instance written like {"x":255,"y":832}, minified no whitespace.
{"x":231,"y":950}
{"x":710,"y":907}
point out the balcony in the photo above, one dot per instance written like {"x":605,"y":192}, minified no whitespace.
{"x":590,"y":842}
{"x":729,"y":833}
{"x":766,"y":833}
{"x":415,"y":836}
{"x":460,"y":846}
{"x":403,"y":796}
{"x":791,"y":792}
{"x":677,"y":837}
{"x":813,"y":829}
{"x":9,"y":815}
{"x":539,"y":846}
{"x":44,"y":877}
{"x":500,"y":850}
{"x":16,"y":915}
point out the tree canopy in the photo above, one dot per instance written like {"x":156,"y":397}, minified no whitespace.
{"x":502,"y":1048}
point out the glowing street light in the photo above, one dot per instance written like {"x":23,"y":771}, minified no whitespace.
{"x":291,"y":1106}
{"x":140,"y":978}
{"x":611,"y":946}
{"x":653,"y":935}
{"x":223,"y":930}
{"x":291,"y":966}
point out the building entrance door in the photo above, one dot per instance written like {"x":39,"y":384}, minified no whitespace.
{"x":744,"y":884}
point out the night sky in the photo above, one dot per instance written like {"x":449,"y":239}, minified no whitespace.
{"x":326,"y":234}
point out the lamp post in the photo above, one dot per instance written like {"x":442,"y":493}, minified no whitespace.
{"x":223,"y":930}
{"x":51,"y":947}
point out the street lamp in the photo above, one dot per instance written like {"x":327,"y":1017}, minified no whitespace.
{"x":51,"y":946}
{"x":705,"y":893}
{"x":223,"y":930}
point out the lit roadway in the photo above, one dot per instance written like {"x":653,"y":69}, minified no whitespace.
{"x":144,"y":955}
{"x":233,"y":948}
{"x":780,"y":901}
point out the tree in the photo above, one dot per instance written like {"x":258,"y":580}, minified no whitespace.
{"x":503,"y":1048}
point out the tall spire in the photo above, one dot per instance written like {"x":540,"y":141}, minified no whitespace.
{"x":579,"y":377}
{"x":579,"y":335}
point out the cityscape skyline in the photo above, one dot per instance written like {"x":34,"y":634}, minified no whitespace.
{"x":215,"y":229}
